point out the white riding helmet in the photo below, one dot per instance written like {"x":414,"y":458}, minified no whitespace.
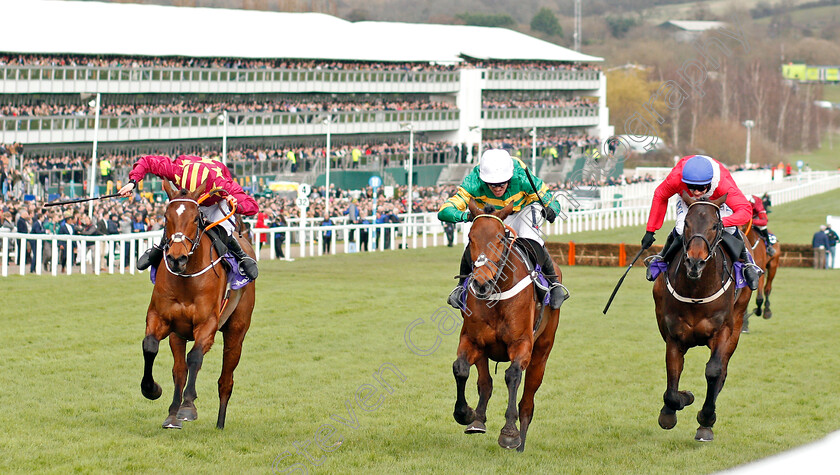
{"x":496,"y":166}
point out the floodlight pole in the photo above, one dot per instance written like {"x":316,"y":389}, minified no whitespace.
{"x":224,"y":136}
{"x":749,"y":125}
{"x":534,"y":149}
{"x":410,"y":127}
{"x":327,"y":121}
{"x":92,"y":181}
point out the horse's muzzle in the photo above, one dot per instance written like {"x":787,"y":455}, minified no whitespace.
{"x":482,"y":291}
{"x":694,"y":268}
{"x":177,"y":264}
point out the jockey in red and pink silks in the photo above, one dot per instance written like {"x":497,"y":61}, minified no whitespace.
{"x":759,"y":222}
{"x":701,"y":177}
{"x":190,"y":172}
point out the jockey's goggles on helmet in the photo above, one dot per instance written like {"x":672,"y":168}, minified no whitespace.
{"x":498,"y":185}
{"x":693,"y":187}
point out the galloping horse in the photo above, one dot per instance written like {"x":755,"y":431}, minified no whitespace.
{"x":188,"y":303}
{"x":697,"y":304}
{"x":770,"y":266}
{"x":502,"y":322}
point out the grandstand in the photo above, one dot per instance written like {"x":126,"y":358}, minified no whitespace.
{"x":266,"y":81}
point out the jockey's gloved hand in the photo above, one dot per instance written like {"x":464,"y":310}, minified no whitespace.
{"x":647,"y":240}
{"x":549,"y":214}
{"x":466,"y":217}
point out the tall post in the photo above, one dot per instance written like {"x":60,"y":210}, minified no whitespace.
{"x":224,"y":136}
{"x":327,"y":121}
{"x":92,"y":182}
{"x":534,"y":150}
{"x":410,"y":171}
{"x":749,"y":124}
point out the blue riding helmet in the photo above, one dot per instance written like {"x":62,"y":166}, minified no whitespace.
{"x":698,"y":171}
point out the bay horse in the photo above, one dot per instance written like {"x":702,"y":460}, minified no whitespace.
{"x":770,"y":266}
{"x":697,"y":304}
{"x":515,"y":328}
{"x":188,"y":303}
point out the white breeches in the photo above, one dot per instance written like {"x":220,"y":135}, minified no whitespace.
{"x":527,"y":222}
{"x":682,"y":209}
{"x":218,"y":211}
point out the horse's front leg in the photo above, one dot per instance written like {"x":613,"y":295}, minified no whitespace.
{"x":722,"y":346}
{"x":156,"y":330}
{"x":675,"y":400}
{"x":485,"y":390}
{"x":204,"y":336}
{"x":468,"y":354}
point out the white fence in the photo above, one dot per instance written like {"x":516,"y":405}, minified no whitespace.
{"x":118,"y":253}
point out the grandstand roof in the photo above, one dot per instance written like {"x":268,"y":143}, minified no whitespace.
{"x":95,"y":28}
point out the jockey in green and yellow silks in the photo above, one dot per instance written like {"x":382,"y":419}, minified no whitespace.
{"x":499,"y":180}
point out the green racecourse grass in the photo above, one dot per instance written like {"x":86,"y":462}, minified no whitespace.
{"x":794,"y":222}
{"x":71,"y":362}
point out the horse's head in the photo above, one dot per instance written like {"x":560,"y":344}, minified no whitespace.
{"x":487,"y":246}
{"x":702,"y":232}
{"x":184,"y":225}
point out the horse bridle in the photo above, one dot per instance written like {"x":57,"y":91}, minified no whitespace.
{"x":712,"y":246}
{"x":482,"y":259}
{"x":180,"y":237}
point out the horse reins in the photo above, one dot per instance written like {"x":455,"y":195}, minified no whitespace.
{"x":712,"y":250}
{"x":179,"y":237}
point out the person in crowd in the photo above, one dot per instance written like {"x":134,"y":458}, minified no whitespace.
{"x":831,"y":248}
{"x":759,"y":222}
{"x":191,"y":172}
{"x":326,"y":236}
{"x":499,"y":180}
{"x":820,"y":245}
{"x":701,"y":176}
{"x":279,"y":238}
{"x":67,"y":226}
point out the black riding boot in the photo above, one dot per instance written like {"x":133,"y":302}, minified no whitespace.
{"x":247,"y":264}
{"x":736,"y":247}
{"x":151,"y":257}
{"x":466,"y":267}
{"x":557,"y":293}
{"x":766,"y":235}
{"x":669,"y":250}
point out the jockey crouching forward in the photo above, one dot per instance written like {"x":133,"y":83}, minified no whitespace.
{"x":191,"y":172}
{"x":499,"y":180}
{"x":701,"y":177}
{"x":759,"y":222}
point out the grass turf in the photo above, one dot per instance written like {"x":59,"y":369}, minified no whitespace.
{"x":71,"y":364}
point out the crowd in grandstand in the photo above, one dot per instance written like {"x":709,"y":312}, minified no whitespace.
{"x":201,"y":107}
{"x":538,"y":103}
{"x":239,"y":63}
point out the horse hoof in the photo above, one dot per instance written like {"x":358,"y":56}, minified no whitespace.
{"x":172,"y":422}
{"x":767,"y":314}
{"x":704,"y":434}
{"x":667,"y":421}
{"x":464,"y":417}
{"x":475,"y":427}
{"x":509,"y":442}
{"x":187,"y":413}
{"x":153,"y":393}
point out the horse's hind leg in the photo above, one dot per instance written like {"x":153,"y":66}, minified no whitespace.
{"x":203,"y":341}
{"x":234,"y":334}
{"x":771,"y":272}
{"x":485,"y":389}
{"x":675,"y":400}
{"x":722,"y":348}
{"x":534,"y":376}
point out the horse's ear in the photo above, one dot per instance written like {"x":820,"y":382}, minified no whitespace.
{"x":169,"y":189}
{"x":688,"y":199}
{"x":473,"y":207}
{"x":720,"y":200}
{"x":199,"y":190}
{"x":504,"y":212}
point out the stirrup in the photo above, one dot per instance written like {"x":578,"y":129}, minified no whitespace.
{"x":147,"y":259}
{"x":554,"y":293}
{"x":648,"y":261}
{"x":454,"y":298}
{"x":249,"y":269}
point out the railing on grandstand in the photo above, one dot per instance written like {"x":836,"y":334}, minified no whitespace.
{"x":539,"y":113}
{"x":118,"y":253}
{"x":168,"y":79}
